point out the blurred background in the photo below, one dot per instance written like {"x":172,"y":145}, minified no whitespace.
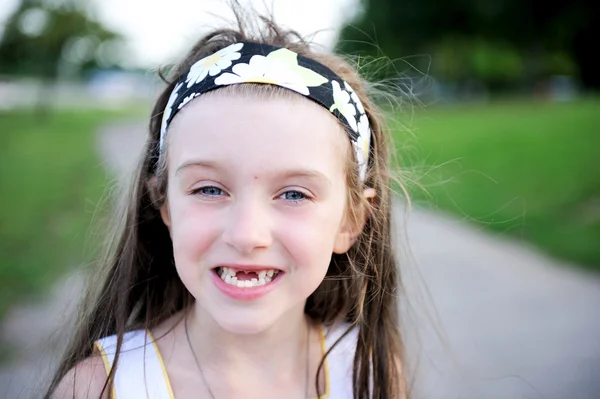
{"x":495,"y":113}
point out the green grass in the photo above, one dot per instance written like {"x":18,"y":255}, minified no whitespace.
{"x":526,"y":169}
{"x":51,"y":180}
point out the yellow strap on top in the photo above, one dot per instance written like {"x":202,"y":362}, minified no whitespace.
{"x":162,"y":366}
{"x":99,"y":350}
{"x":140,"y":372}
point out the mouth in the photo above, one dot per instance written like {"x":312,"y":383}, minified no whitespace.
{"x":246,"y":278}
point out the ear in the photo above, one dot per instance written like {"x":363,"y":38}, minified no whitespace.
{"x":352,"y":227}
{"x":165,"y":215}
{"x":164,"y":209}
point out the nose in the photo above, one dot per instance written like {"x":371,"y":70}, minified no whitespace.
{"x":247,"y":227}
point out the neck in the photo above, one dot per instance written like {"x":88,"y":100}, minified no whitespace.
{"x":280,"y":347}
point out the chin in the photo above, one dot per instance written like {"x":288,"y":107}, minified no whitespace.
{"x":248,"y":317}
{"x":243,"y":321}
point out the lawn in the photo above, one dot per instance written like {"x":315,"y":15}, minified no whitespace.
{"x":530,"y":170}
{"x":51,"y":181}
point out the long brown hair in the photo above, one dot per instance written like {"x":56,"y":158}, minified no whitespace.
{"x":140,"y":287}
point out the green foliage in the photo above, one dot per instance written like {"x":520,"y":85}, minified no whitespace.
{"x":463,"y":58}
{"x":526,"y":169}
{"x":494,"y":41}
{"x":40,"y":39}
{"x":50,"y":183}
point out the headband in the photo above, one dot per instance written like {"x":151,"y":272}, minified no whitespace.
{"x":262,"y":63}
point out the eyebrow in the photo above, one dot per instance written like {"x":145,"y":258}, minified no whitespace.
{"x":305,"y":173}
{"x":195,"y":163}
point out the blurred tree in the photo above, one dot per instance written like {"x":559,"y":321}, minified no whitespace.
{"x":533,"y":31}
{"x":46,"y":40}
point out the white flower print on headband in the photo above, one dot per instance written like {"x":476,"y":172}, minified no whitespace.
{"x":213,"y":64}
{"x":355,"y":98}
{"x":167,"y":113}
{"x":187,"y":100}
{"x":279,"y":68}
{"x":341,"y":102}
{"x":363,"y":144}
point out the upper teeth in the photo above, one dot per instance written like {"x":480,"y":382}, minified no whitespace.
{"x":229,"y":275}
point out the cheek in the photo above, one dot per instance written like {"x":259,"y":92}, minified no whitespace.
{"x":192,"y":231}
{"x":309,"y":239}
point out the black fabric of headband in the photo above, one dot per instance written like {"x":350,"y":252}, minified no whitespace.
{"x":261,"y":63}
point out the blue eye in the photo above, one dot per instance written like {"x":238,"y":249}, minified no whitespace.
{"x":208,"y":191}
{"x":293,"y":196}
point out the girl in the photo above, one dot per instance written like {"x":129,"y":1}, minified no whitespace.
{"x":255,"y":258}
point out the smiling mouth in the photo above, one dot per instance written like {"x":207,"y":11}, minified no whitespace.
{"x":246,"y":279}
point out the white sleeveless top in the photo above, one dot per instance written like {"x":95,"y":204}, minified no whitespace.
{"x":141,"y":373}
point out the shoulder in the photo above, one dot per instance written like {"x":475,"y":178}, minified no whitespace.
{"x":342,"y":335}
{"x":340,"y":342}
{"x":342,"y":339}
{"x":339,"y":349}
{"x":84,"y":381}
{"x":88,"y":378}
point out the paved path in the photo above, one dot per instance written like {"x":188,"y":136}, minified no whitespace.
{"x":520,"y":324}
{"x":514,"y":323}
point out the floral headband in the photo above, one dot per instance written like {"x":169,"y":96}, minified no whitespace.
{"x":261,"y":63}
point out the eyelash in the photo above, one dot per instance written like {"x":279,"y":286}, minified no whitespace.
{"x":296,"y":201}
{"x":199,"y":191}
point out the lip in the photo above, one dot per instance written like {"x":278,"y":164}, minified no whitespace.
{"x":246,"y":293}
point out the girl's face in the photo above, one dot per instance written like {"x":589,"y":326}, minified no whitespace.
{"x":255,"y":205}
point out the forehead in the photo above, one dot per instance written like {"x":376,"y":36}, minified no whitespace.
{"x":257,"y":134}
